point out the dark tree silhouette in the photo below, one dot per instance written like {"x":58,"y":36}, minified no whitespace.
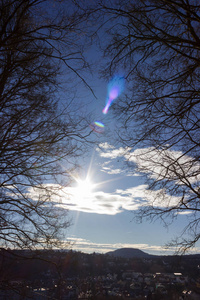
{"x":157,"y":45}
{"x":38,"y":46}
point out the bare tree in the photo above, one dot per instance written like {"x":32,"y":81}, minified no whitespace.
{"x":41,"y":134}
{"x":157,"y":45}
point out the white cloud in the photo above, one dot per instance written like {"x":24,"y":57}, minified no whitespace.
{"x":105,"y":146}
{"x":145,"y":197}
{"x":157,"y":163}
{"x":133,"y":174}
{"x":111,"y":171}
{"x":188,"y":212}
{"x":108,"y":167}
{"x":120,"y":200}
{"x":165,"y":164}
{"x":113,"y":153}
{"x":100,"y":202}
{"x":96,"y":202}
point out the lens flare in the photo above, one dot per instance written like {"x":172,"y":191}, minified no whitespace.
{"x":97,"y":127}
{"x":105,"y":110}
{"x":115,"y":88}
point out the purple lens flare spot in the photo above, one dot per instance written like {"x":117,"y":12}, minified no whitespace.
{"x":115,"y":88}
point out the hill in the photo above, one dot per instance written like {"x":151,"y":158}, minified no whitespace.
{"x":129,"y":253}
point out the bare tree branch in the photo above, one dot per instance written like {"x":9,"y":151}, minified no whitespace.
{"x":157,"y":44}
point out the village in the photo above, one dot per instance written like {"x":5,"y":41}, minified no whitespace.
{"x":97,"y":276}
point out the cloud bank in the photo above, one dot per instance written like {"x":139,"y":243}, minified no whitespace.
{"x":80,"y":244}
{"x":97,"y":202}
{"x":100,"y":202}
{"x":121,"y":199}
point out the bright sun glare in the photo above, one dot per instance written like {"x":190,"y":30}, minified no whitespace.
{"x":84,"y":188}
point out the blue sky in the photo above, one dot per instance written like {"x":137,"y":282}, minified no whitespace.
{"x":104,"y":220}
{"x":105,"y":194}
{"x":103,"y":208}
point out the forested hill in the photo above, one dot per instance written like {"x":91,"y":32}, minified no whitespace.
{"x":129,"y":253}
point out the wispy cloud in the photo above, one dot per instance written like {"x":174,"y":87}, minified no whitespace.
{"x":110,"y":152}
{"x":111,"y":170}
{"x":157,"y":163}
{"x":88,"y":246}
{"x":148,"y":197}
{"x":105,"y":146}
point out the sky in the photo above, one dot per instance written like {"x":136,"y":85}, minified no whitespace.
{"x":106,"y":194}
{"x":103,"y":217}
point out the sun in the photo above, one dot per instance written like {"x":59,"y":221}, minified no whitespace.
{"x":84,"y":188}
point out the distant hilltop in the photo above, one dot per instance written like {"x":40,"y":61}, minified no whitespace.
{"x":129,"y":253}
{"x":137,"y":253}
